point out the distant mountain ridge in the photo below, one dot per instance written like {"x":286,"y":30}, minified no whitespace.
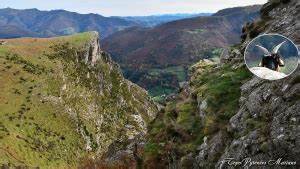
{"x":154,"y":20}
{"x":160,"y":56}
{"x":16,"y":23}
{"x":35,"y":23}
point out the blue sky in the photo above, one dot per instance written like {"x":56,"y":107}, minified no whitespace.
{"x":129,"y":7}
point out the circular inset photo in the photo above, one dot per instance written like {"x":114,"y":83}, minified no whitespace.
{"x":272,"y":56}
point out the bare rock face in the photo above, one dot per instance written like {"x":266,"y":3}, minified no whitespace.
{"x":93,"y":51}
{"x":209,"y":150}
{"x":266,"y":73}
{"x":267,"y":122}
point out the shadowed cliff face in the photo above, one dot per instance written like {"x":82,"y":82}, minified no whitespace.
{"x":63,"y":100}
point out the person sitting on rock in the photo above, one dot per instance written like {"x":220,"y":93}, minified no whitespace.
{"x":271,"y":60}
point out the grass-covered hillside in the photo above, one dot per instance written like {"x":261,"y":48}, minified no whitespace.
{"x":63,"y":100}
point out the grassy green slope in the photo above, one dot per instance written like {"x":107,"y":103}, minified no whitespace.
{"x":55,"y":111}
{"x":31,"y":129}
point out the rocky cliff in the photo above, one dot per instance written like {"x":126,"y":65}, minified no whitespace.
{"x":226,"y":115}
{"x":266,"y":124}
{"x":63,"y":101}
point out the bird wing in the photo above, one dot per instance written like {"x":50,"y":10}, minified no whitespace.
{"x":276,"y":48}
{"x":263,"y":49}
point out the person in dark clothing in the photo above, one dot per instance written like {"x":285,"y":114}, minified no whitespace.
{"x":271,"y":60}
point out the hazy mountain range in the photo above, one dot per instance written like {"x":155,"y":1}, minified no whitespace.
{"x":157,"y":58}
{"x":35,"y":23}
{"x":154,"y":20}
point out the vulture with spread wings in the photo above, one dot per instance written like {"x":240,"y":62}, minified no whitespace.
{"x":271,"y":60}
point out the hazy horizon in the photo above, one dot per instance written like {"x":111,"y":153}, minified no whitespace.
{"x":192,"y":13}
{"x":130,"y":7}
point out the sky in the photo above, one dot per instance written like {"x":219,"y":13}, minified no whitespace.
{"x":129,"y":7}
